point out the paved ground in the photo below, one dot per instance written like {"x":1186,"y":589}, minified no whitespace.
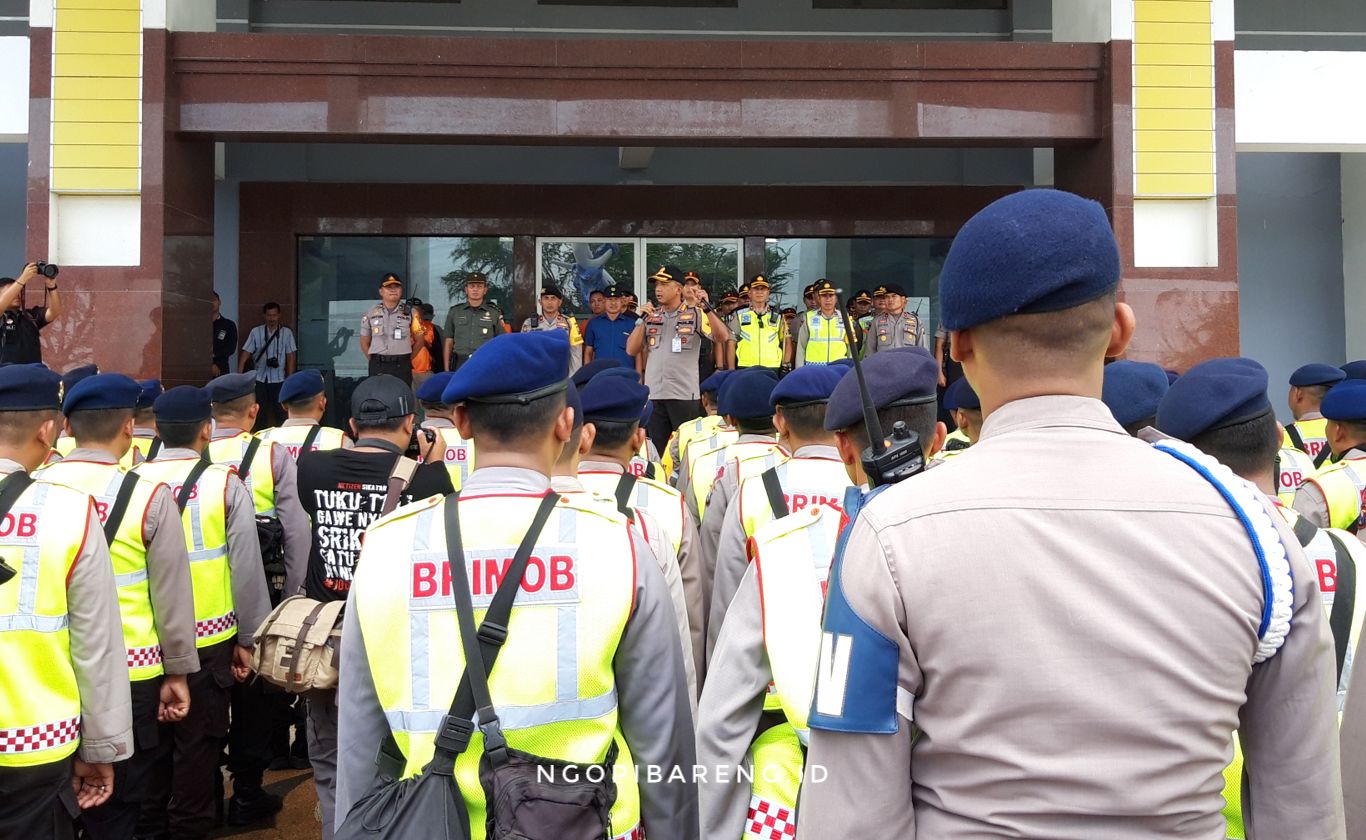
{"x":296,"y":821}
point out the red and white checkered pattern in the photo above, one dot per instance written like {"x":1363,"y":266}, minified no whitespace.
{"x":770,"y":821}
{"x":144,"y":656}
{"x":44,"y":736}
{"x":636,"y":833}
{"x":214,"y":626}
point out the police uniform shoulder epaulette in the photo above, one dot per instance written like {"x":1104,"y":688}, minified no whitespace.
{"x":410,"y":509}
{"x":594,"y":507}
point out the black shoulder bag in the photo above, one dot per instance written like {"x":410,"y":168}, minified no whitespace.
{"x":270,"y":532}
{"x":11,"y":488}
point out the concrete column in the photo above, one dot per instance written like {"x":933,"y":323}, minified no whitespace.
{"x":1354,"y":252}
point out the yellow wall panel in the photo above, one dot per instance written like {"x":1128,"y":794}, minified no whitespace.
{"x":96,"y":157}
{"x":95,"y":180}
{"x":1199,"y":55}
{"x":97,"y":110}
{"x":1160,"y":97}
{"x":97,"y":20}
{"x":1184,"y":77}
{"x":83,"y":88}
{"x":1170,"y":184}
{"x":1190,"y":163}
{"x":125,"y":5}
{"x":1173,"y":119}
{"x":97,"y":66}
{"x":1174,"y":141}
{"x":94,"y":134}
{"x":1171,"y":11}
{"x":100,"y":43}
{"x":1173,"y":97}
{"x":1172,"y":33}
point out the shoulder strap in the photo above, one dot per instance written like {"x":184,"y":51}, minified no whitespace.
{"x":399,"y":479}
{"x":11,"y":488}
{"x":244,"y":468}
{"x":1305,"y":531}
{"x":111,"y":525}
{"x":1296,"y":439}
{"x":183,"y":497}
{"x":1344,"y":601}
{"x":154,"y":448}
{"x":310,"y":438}
{"x":481,"y":646}
{"x":625,"y":485}
{"x":1322,"y":458}
{"x":776,"y":501}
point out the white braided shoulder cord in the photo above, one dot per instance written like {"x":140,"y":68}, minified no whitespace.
{"x":1278,"y":583}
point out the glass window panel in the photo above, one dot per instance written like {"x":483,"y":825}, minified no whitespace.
{"x":438,"y":265}
{"x":579,"y":266}
{"x":717,"y":262}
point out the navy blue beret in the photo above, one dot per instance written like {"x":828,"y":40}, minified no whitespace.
{"x":745,"y":394}
{"x":647,"y":412}
{"x":1032,"y":251}
{"x":846,"y":362}
{"x":1355,"y":370}
{"x":513,"y":368}
{"x":1132,"y":390}
{"x":961,"y":395}
{"x":183,"y":404}
{"x":103,"y":390}
{"x":573,"y":400}
{"x":1172,"y":375}
{"x":1214,"y":395}
{"x":629,"y":374}
{"x":29,"y":388}
{"x":614,"y":399}
{"x":431,"y":390}
{"x":1316,"y":374}
{"x":807,"y":384}
{"x":582,"y":376}
{"x":151,"y":389}
{"x":301,"y":386}
{"x":230,"y":386}
{"x":712,"y":384}
{"x":1347,"y":401}
{"x":76,"y":374}
{"x":903,"y":376}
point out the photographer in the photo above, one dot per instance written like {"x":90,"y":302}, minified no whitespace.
{"x":19,"y":342}
{"x":270,"y":352}
{"x":387,"y":332}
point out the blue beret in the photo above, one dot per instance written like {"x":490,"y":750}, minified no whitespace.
{"x":1214,"y":395}
{"x":1316,"y":374}
{"x":614,"y":399}
{"x":592,"y":369}
{"x":1132,"y":390}
{"x":807,"y":384}
{"x":647,"y":412}
{"x":1032,"y":251}
{"x":513,"y":368}
{"x":629,"y":374}
{"x":151,"y":389}
{"x":1347,"y":401}
{"x":29,"y":388}
{"x":573,"y":400}
{"x":230,"y":386}
{"x":846,"y":362}
{"x":103,"y":390}
{"x":712,"y":384}
{"x":1172,"y":375}
{"x":961,"y":395}
{"x":183,"y":404}
{"x":1355,"y":370}
{"x":745,"y":395}
{"x":903,"y":376}
{"x":431,"y":390}
{"x":301,"y":386}
{"x":76,"y":374}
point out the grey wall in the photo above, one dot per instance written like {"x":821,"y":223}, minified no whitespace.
{"x":13,"y":208}
{"x":1290,"y":263}
{"x":1303,"y":25}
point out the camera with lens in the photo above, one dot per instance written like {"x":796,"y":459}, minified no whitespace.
{"x":272,"y":362}
{"x":47,"y":269}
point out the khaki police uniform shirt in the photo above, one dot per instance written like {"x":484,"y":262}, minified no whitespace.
{"x":671,"y":371}
{"x":887,"y":332}
{"x":250,"y":597}
{"x":1075,"y":616}
{"x":470,"y":328}
{"x":653,"y":709}
{"x":1353,"y":740}
{"x":95,"y":631}
{"x":390,"y":330}
{"x":1309,"y":499}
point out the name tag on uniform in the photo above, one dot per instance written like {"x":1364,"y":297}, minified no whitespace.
{"x":398,"y":333}
{"x":677,"y":345}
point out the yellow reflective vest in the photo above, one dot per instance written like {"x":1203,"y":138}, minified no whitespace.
{"x":1293,"y":468}
{"x":260,"y":479}
{"x":555,"y":692}
{"x":759,"y":338}
{"x":1343,"y":486}
{"x":205,"y":519}
{"x":40,"y":702}
{"x":456,"y":453}
{"x":825,"y":339}
{"x":804,"y":482}
{"x":656,"y":498}
{"x":1308,"y":436}
{"x":137,"y":453}
{"x":292,"y":439}
{"x":710,"y":465}
{"x":128,"y":552}
{"x":673,"y":456}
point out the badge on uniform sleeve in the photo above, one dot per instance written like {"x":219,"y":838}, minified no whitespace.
{"x":856,"y":684}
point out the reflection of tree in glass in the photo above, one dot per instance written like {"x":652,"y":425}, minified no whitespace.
{"x":488,"y":254}
{"x":580,"y":268}
{"x":715,"y":264}
{"x":775,"y":263}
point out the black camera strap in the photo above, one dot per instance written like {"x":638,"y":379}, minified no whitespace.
{"x":11,"y":488}
{"x":261,"y":354}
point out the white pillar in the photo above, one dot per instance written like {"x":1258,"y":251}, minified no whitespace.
{"x":1354,"y":252}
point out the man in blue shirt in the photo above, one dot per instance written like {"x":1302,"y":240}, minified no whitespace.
{"x":605,"y":336}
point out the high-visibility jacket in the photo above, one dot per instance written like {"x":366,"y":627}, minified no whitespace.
{"x":1293,"y":468}
{"x":292,"y":439}
{"x":554,"y":691}
{"x":672,"y":457}
{"x":642,"y":465}
{"x":1343,"y":486}
{"x":40,"y":702}
{"x":260,"y":479}
{"x":456,"y":453}
{"x":128,"y":552}
{"x":1308,"y":436}
{"x":206,"y":539}
{"x":658,"y":499}
{"x":140,"y":451}
{"x":758,"y":338}
{"x":825,"y":339}
{"x":66,"y":445}
{"x":803,"y":482}
{"x":707,"y":469}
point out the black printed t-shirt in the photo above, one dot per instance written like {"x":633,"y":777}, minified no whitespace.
{"x":343,"y":492}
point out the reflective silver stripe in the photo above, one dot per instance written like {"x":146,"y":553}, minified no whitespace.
{"x":567,"y":659}
{"x":35,"y":623}
{"x":419,"y":623}
{"x":512,"y":717}
{"x":200,"y":555}
{"x":131,"y":578}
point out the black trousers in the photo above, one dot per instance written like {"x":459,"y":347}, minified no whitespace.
{"x":400,"y":366}
{"x":272,"y":413}
{"x":257,"y":711}
{"x":191,"y":776}
{"x":669,"y":415}
{"x":136,"y":780}
{"x":37,"y":803}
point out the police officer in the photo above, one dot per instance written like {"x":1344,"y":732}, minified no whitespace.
{"x":894,"y":326}
{"x":387,"y":337}
{"x":551,"y":318}
{"x":771,"y":635}
{"x":1332,"y":498}
{"x":1355,"y":370}
{"x":708,"y":424}
{"x":444,"y":444}
{"x":743,"y":401}
{"x":620,"y":675}
{"x":472,"y":324}
{"x":759,"y":333}
{"x":813,"y":475}
{"x":1309,"y":384}
{"x":230,"y":601}
{"x":821,"y":337}
{"x":966,"y":410}
{"x":305,"y":402}
{"x":145,"y":440}
{"x":1132,"y":391}
{"x":909,"y":634}
{"x":65,"y":443}
{"x":65,"y":674}
{"x":152,"y":572}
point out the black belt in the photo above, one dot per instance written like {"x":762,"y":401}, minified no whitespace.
{"x":402,"y":357}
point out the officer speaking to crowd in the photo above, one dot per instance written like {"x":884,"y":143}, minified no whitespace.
{"x":1098,"y":600}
